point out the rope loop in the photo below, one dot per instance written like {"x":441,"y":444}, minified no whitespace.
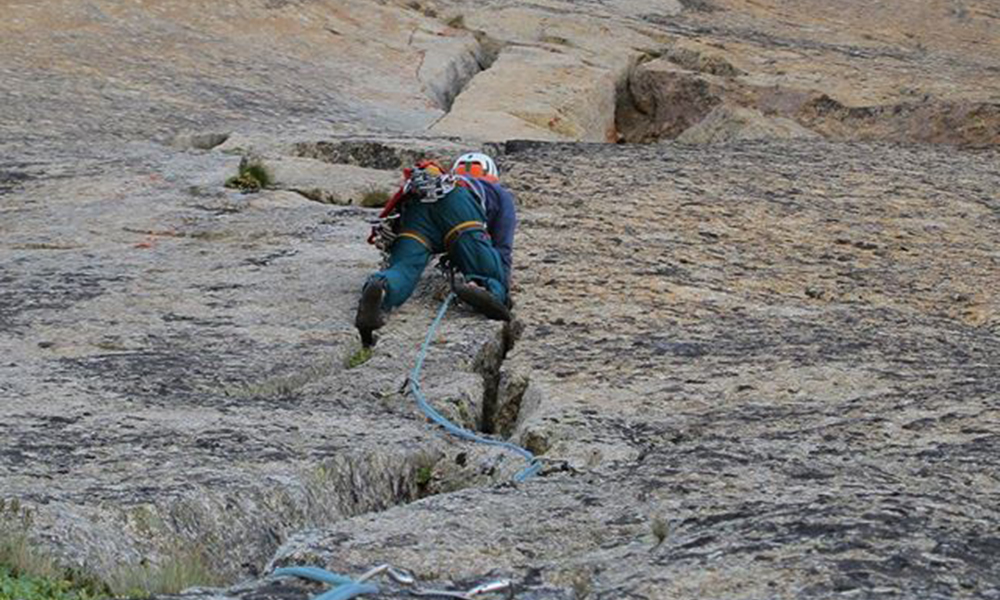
{"x":533,"y":466}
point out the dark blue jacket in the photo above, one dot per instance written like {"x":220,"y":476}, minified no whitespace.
{"x":501,"y":217}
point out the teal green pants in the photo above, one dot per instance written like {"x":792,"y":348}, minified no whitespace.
{"x":456,"y":225}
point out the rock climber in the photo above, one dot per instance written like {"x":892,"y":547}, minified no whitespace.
{"x":465,"y":214}
{"x":483,"y":177}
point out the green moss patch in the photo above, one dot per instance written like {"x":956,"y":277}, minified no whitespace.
{"x":359,"y":357}
{"x":375,"y":196}
{"x":253,"y":177}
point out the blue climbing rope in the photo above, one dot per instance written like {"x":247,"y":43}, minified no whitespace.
{"x":533,"y":466}
{"x":346,"y":588}
{"x":348,"y":591}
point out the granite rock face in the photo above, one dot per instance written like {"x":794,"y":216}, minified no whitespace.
{"x":149,"y":70}
{"x":856,"y":72}
{"x":760,"y":368}
{"x":176,"y":375}
{"x":769,"y":368}
{"x":496,"y":70}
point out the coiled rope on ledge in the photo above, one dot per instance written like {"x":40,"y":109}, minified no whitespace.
{"x":533,"y":466}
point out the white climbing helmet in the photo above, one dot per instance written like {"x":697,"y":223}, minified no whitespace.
{"x":476,"y":164}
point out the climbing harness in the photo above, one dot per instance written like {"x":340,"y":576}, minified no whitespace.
{"x":475,"y":188}
{"x":429,"y":187}
{"x":346,"y":588}
{"x":533,"y":466}
{"x":455,"y":232}
{"x":426,"y":180}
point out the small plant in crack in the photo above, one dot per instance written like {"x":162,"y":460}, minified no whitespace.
{"x":374,"y":196}
{"x":358,"y":358}
{"x":456,"y":22}
{"x":253,"y":176}
{"x":424,"y":476}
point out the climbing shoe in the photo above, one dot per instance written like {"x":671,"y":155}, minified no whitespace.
{"x":370,"y":315}
{"x":483,"y":301}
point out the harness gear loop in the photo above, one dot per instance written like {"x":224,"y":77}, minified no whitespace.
{"x":413,"y":235}
{"x":459,"y":229}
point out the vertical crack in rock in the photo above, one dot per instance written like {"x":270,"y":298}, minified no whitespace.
{"x":488,"y":364}
{"x":445,"y":77}
{"x":655,"y":104}
{"x":503,"y":388}
{"x":511,"y":387}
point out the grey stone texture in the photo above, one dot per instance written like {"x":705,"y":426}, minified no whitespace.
{"x":176,"y":356}
{"x":760,"y":368}
{"x":770,"y":377}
